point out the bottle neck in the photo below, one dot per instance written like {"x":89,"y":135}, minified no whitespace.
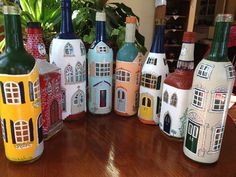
{"x":130,"y":33}
{"x":158,"y":40}
{"x":100,"y":31}
{"x":219,"y":50}
{"x":67,"y":31}
{"x":186,"y":58}
{"x":14,"y":40}
{"x":35,"y":45}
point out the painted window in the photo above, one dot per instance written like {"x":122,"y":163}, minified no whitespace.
{"x":102,"y":49}
{"x":166,"y":97}
{"x":78,"y":72}
{"x":103,"y":69}
{"x":12,"y":93}
{"x":198,"y":98}
{"x":76,"y":99}
{"x":68,"y":50}
{"x":152,"y":61}
{"x":122,"y":75}
{"x":219,"y":101}
{"x":3,"y":121}
{"x":49,"y":88}
{"x":204,"y":71}
{"x":190,"y":129}
{"x":82,"y":49}
{"x":57,"y":85}
{"x":22,"y":131}
{"x":173,"y":100}
{"x":69,"y":76}
{"x":84,"y":71}
{"x":217,"y":140}
{"x":230,"y":71}
{"x":36,"y":90}
{"x":63,"y":93}
{"x":149,"y":81}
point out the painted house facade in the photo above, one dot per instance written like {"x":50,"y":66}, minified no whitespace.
{"x":21,"y":119}
{"x":69,"y":56}
{"x":208,"y":110}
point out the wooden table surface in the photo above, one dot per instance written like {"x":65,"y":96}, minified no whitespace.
{"x":112,"y":146}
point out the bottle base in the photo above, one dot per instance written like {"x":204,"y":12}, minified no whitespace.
{"x":53,"y":131}
{"x":148,"y":122}
{"x":172,"y":138}
{"x":123,"y":114}
{"x":75,"y":116}
{"x":25,"y":161}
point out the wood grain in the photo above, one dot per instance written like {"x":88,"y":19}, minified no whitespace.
{"x":112,"y":146}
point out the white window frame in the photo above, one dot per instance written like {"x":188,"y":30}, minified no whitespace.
{"x":152,"y":61}
{"x":221,"y":103}
{"x":166,"y":96}
{"x":102,"y":49}
{"x":217,"y":138}
{"x":197,"y":100}
{"x":20,"y":128}
{"x":36,"y":87}
{"x":78,"y":72}
{"x":123,"y":76}
{"x":102,"y":69}
{"x":204,"y":71}
{"x":69,"y":74}
{"x":152,"y":81}
{"x":68,"y":50}
{"x":230,"y":71}
{"x":12,"y":89}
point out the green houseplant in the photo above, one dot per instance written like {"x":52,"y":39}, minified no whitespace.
{"x":48,"y":13}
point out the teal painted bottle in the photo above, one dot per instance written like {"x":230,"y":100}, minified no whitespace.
{"x":128,"y":68}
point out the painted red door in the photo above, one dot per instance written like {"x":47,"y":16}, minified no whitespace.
{"x":54,"y":112}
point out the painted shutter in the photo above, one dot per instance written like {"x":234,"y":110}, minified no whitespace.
{"x":31,"y":129}
{"x":22,"y":92}
{"x":5,"y":130}
{"x":3,"y":93}
{"x":13,"y":132}
{"x":31,"y":91}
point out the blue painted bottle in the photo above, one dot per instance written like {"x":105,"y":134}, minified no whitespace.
{"x":69,"y":54}
{"x":128,"y":68}
{"x":100,"y":62}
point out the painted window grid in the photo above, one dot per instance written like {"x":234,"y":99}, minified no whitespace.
{"x":12,"y":93}
{"x":102,"y":49}
{"x":22,"y":132}
{"x":103,"y":69}
{"x":173,"y":101}
{"x":123,"y":75}
{"x":218,"y":136}
{"x":82,"y":49}
{"x":230,"y":71}
{"x":149,"y":81}
{"x":198,"y":98}
{"x":204,"y":71}
{"x":78,"y":72}
{"x":68,"y":50}
{"x":69,"y":76}
{"x":166,"y":97}
{"x":152,"y":61}
{"x":219,"y":101}
{"x":36,"y":90}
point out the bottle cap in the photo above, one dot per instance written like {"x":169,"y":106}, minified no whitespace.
{"x":189,"y":37}
{"x":131,"y":19}
{"x":33,"y":25}
{"x":13,"y":10}
{"x":100,"y":16}
{"x":224,"y":18}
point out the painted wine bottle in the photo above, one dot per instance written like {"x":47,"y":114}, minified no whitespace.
{"x":211,"y":89}
{"x":20,"y":106}
{"x":176,"y":90}
{"x":100,"y":70}
{"x":50,"y":81}
{"x":128,"y":69}
{"x":154,"y":71}
{"x":69,"y":53}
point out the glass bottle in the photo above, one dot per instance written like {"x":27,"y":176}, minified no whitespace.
{"x":50,"y":81}
{"x":69,"y":54}
{"x":20,"y":108}
{"x":154,"y":71}
{"x":100,"y":66}
{"x":176,"y":90}
{"x":211,"y":90}
{"x":128,"y":69}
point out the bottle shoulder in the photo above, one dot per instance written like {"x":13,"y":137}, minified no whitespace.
{"x":16,"y":62}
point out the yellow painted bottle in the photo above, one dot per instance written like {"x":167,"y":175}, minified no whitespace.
{"x":20,"y":106}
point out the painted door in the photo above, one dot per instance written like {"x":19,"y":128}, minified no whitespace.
{"x":146,"y":107}
{"x":103,"y":98}
{"x":121,"y":100}
{"x":78,"y":100}
{"x":167,"y":123}
{"x":54,"y":115}
{"x":192,"y":136}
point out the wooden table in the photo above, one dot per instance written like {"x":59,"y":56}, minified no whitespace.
{"x":112,"y":146}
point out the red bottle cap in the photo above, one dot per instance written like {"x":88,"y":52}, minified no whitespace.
{"x":189,"y":37}
{"x":131,"y":19}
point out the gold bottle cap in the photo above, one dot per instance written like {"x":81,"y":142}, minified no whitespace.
{"x":224,"y":18}
{"x":13,"y":10}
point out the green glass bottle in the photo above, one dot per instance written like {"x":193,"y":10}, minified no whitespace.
{"x":211,"y":90}
{"x":20,"y":108}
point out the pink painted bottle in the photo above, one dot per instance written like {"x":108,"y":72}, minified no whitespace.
{"x":128,"y":69}
{"x":50,"y":81}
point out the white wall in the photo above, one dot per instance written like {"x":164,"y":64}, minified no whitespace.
{"x":145,"y":10}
